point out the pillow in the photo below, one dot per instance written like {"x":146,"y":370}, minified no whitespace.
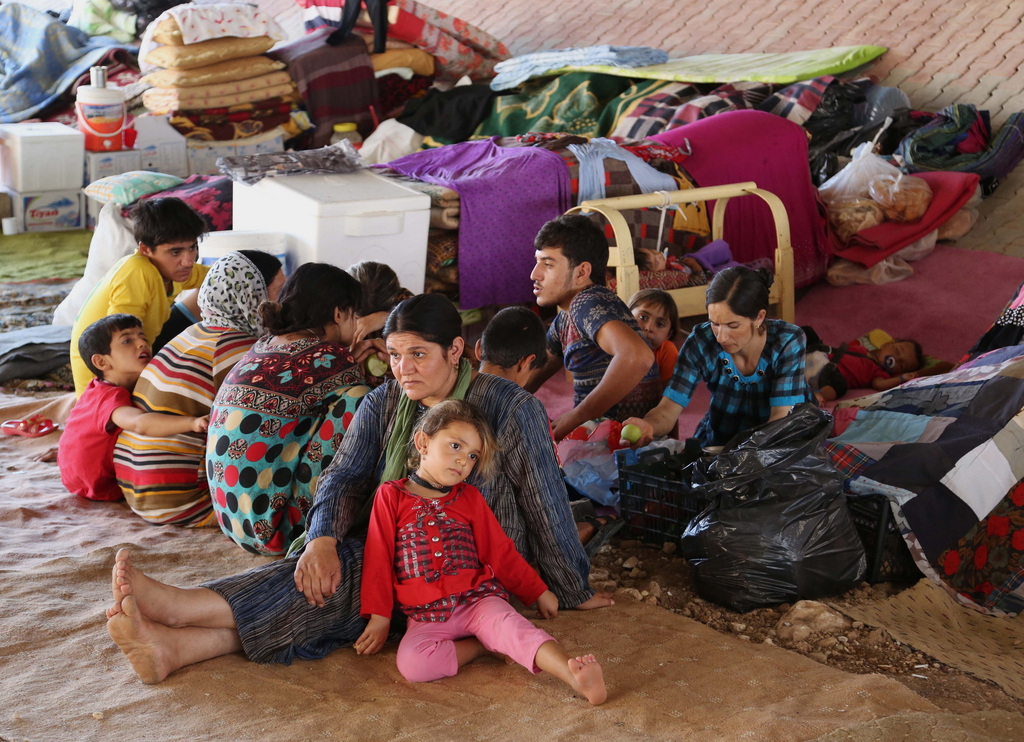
{"x":189,"y":23}
{"x":417,"y":60}
{"x":232,"y":70}
{"x":209,"y":52}
{"x":210,"y":196}
{"x":128,"y":188}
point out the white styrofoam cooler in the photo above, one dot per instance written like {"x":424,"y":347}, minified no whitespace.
{"x":45,"y":156}
{"x":341,"y":219}
{"x":216,"y":245}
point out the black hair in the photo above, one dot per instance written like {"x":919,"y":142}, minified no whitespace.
{"x":95,"y":339}
{"x":268,"y":265}
{"x":580,"y":239}
{"x":643,"y":260}
{"x":918,"y":351}
{"x":382,"y":291}
{"x":431,"y":316}
{"x":158,"y":221}
{"x":443,"y":414}
{"x":744,"y":291}
{"x":661,"y":299}
{"x":513,"y":334}
{"x":309,"y":298}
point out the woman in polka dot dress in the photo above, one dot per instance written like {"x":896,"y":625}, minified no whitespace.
{"x":282,"y":411}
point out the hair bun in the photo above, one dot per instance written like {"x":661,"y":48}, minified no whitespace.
{"x":767,"y":277}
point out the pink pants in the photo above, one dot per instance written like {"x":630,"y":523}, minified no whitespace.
{"x":427,"y":651}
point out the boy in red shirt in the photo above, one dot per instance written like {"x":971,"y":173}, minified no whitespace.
{"x":115,"y":350}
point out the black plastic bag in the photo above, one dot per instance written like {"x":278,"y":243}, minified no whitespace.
{"x":777,"y":528}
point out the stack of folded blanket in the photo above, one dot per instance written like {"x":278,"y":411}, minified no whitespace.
{"x":210,"y":73}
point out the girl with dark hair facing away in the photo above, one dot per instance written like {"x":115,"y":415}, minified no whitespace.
{"x":753,"y":366}
{"x":282,"y":412}
{"x":433,"y":521}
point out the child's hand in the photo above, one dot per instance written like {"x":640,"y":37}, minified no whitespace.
{"x":547,"y":604}
{"x":200,"y":424}
{"x":374,"y":635}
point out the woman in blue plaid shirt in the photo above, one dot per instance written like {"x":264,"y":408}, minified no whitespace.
{"x":753,"y":366}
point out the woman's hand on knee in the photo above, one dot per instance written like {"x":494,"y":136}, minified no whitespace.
{"x":318,"y":572}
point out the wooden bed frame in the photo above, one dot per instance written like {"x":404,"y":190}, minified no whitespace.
{"x":691,"y":299}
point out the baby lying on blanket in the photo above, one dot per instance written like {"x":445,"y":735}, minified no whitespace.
{"x":875,"y":361}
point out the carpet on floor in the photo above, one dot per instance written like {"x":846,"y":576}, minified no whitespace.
{"x":34,"y":256}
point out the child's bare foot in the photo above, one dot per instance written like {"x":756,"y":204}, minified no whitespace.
{"x":136,"y":636}
{"x":589,"y":680}
{"x":155,"y":600}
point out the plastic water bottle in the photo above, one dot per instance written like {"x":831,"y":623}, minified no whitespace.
{"x":347,"y":131}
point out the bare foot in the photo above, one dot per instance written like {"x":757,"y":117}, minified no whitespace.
{"x":154,"y":599}
{"x":589,"y":680}
{"x":114,"y":610}
{"x":137,"y":637}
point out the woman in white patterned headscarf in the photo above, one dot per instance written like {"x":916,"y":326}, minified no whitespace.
{"x":164,"y":478}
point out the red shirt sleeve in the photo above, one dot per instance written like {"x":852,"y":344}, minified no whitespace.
{"x":499,"y":552}
{"x":377,"y":593}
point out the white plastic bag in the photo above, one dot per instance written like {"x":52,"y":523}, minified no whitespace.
{"x":845,"y":272}
{"x":852,"y":183}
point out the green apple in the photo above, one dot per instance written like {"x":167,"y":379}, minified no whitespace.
{"x":631,"y":433}
{"x":375,"y":366}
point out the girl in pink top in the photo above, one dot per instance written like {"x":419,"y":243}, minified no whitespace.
{"x":434,"y":545}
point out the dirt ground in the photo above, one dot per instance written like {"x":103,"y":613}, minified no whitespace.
{"x":656,"y":574}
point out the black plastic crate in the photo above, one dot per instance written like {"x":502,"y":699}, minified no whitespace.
{"x":656,"y":498}
{"x":889,"y":559}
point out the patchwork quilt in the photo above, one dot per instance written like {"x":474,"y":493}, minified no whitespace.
{"x":948,"y":453}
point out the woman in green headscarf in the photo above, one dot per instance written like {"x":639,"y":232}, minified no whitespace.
{"x":308,"y":604}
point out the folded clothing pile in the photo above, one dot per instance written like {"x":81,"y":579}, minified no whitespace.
{"x":209,"y":71}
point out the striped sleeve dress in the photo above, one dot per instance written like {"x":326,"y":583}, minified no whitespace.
{"x":164,"y":478}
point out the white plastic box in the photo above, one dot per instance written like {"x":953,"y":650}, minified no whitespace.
{"x":41,"y":157}
{"x":49,"y":211}
{"x":202,"y":155}
{"x":104,"y":164}
{"x":342,"y":219}
{"x":160,"y":146}
{"x":215,"y":245}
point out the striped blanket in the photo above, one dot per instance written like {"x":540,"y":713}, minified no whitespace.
{"x":947,"y":453}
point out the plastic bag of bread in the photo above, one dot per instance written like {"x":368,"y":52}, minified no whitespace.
{"x":853,"y":182}
{"x":903,"y":198}
{"x":849,"y":217}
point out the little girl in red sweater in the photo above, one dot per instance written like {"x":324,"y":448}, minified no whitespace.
{"x":434,"y":545}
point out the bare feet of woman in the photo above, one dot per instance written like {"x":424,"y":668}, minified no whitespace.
{"x":155,"y":600}
{"x":137,"y":637}
{"x":589,"y":680}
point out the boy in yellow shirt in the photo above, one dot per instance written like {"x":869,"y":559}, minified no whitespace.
{"x":146,"y":282}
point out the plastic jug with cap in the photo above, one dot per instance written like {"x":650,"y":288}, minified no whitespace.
{"x":102,"y":115}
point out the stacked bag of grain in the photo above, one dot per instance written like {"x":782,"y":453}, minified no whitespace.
{"x":209,"y":70}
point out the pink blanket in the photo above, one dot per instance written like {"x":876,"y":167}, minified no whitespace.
{"x":950,"y":191}
{"x":738,"y":146}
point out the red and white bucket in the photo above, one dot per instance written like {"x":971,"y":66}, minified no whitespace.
{"x":102,"y":114}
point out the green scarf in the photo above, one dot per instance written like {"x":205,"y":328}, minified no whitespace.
{"x":396,"y":456}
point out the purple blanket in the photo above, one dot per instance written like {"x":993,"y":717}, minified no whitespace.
{"x":506,"y":195}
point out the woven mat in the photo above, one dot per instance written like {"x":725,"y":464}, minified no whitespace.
{"x":977,"y":726}
{"x":925,"y":618}
{"x":669,"y":678}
